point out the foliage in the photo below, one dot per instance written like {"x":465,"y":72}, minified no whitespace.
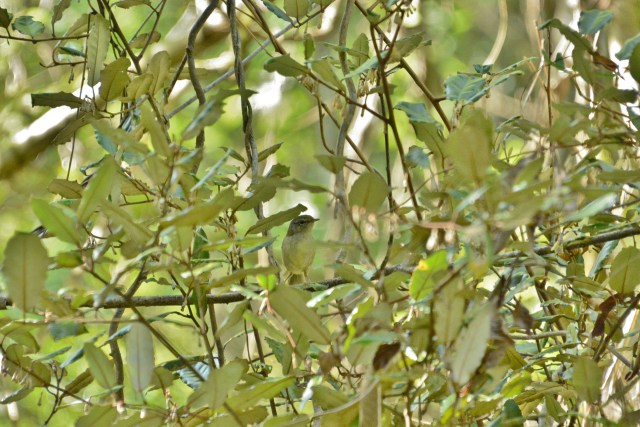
{"x":476,"y":261}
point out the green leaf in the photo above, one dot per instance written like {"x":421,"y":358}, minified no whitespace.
{"x":135,"y":232}
{"x":426,"y":274}
{"x":324,"y":69}
{"x":98,"y":416}
{"x":463,"y":87}
{"x":139,"y":86}
{"x":470,"y":346}
{"x":625,"y":274}
{"x":360,"y":49}
{"x":286,"y":66}
{"x":57,"y":99}
{"x":628,"y":47}
{"x":309,"y":46}
{"x":289,"y":303}
{"x":276,"y":219}
{"x":206,"y":115}
{"x":114,"y":79}
{"x":417,"y":156}
{"x":369,"y":191}
{"x":264,"y":390}
{"x":66,"y":189}
{"x":333,"y":164}
{"x":27,"y":26}
{"x":469,"y":147}
{"x":144,"y":39}
{"x":25,"y":269}
{"x":201,"y":213}
{"x":217,"y":387}
{"x":101,"y":368}
{"x":595,"y":207}
{"x":277,"y":11}
{"x":5,"y":18}
{"x":322,"y":3}
{"x":571,"y":35}
{"x":98,"y":188}
{"x":369,"y":64}
{"x":269,"y":151}
{"x":140,"y":356}
{"x":587,"y":379}
{"x":592,"y":21}
{"x":97,"y":46}
{"x":296,"y":8}
{"x":159,"y":138}
{"x":449,"y":312}
{"x":634,"y":64}
{"x":59,"y":9}
{"x":59,"y":220}
{"x":159,"y":68}
{"x":126,"y":4}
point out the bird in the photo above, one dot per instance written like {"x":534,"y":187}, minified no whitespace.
{"x":298,"y":249}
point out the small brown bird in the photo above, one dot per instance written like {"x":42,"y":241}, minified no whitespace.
{"x":298,"y":249}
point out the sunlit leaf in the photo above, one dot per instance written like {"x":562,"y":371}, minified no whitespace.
{"x":215,"y":390}
{"x":625,"y":275}
{"x":469,"y":147}
{"x":159,"y":138}
{"x":98,"y":416}
{"x":333,"y":164}
{"x":97,"y":45}
{"x":59,"y":220}
{"x":296,"y":8}
{"x":587,"y":379}
{"x":426,"y":274}
{"x":289,"y":304}
{"x":25,"y":269}
{"x":59,"y":9}
{"x":471,"y":344}
{"x":98,"y":188}
{"x":100,"y":366}
{"x":114,"y":79}
{"x":144,"y":39}
{"x":159,"y":68}
{"x":140,"y":356}
{"x":263,"y":390}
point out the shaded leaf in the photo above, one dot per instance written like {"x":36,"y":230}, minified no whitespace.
{"x":159,"y":68}
{"x":369,"y":191}
{"x":289,"y":303}
{"x":634,"y":64}
{"x":25,"y":269}
{"x":592,"y":21}
{"x":98,"y":416}
{"x":201,"y":213}
{"x":597,"y":206}
{"x":115,"y":213}
{"x":333,"y":164}
{"x":27,"y":26}
{"x":57,"y":99}
{"x":159,"y":138}
{"x":286,"y":66}
{"x":463,"y":87}
{"x":628,"y":47}
{"x":6,"y":17}
{"x":426,"y":273}
{"x":360,"y":49}
{"x":277,"y":11}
